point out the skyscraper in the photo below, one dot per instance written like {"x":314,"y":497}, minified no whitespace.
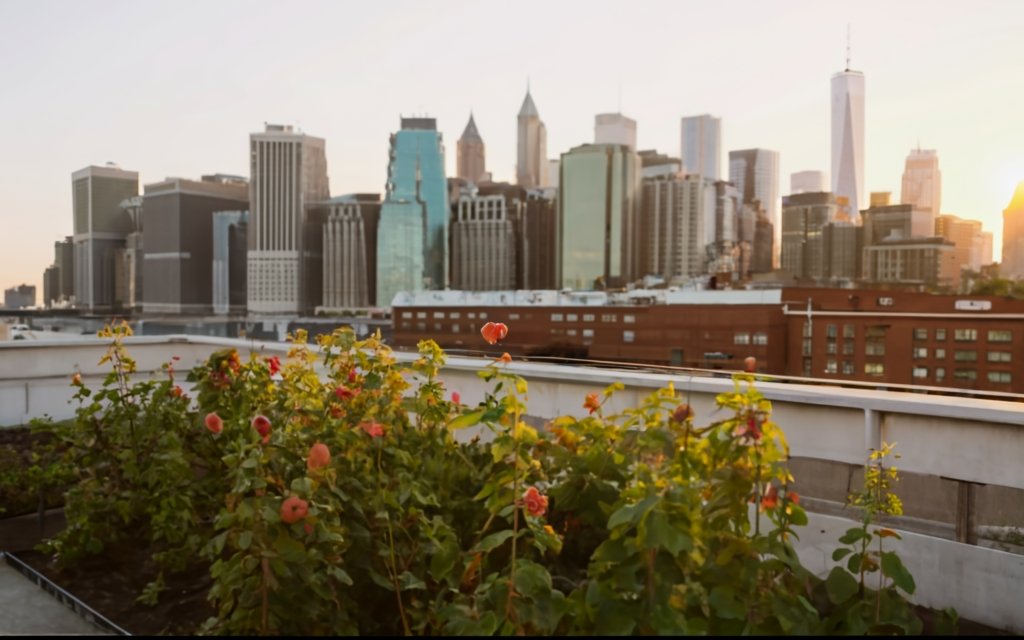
{"x":532,"y":157}
{"x":288,"y":173}
{"x":701,"y":145}
{"x":412,"y":238}
{"x":755,"y":173}
{"x":922,"y":182}
{"x":350,"y":251}
{"x":470,"y":153}
{"x":598,"y":204}
{"x":1013,"y":236}
{"x":848,"y":140}
{"x":100,"y":226}
{"x":615,"y":128}
{"x":229,"y":286}
{"x":807,"y":182}
{"x":483,"y":242}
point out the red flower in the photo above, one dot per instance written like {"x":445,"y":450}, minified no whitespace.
{"x":351,"y":376}
{"x":535,"y":502}
{"x":793,"y":497}
{"x":373,"y":428}
{"x":261,"y":424}
{"x":751,"y":430}
{"x":76,"y":379}
{"x":344,"y":392}
{"x":593,"y":402}
{"x":750,"y":364}
{"x":275,"y":364}
{"x":770,"y":499}
{"x":177,"y":392}
{"x":294,"y":509}
{"x":505,"y":357}
{"x":319,"y":456}
{"x":214,"y":422}
{"x":308,"y":528}
{"x":456,"y":398}
{"x":494,"y":332}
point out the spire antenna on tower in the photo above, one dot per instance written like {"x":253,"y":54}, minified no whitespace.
{"x":847,"y":46}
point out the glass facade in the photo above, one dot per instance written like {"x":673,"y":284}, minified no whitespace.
{"x":412,"y":242}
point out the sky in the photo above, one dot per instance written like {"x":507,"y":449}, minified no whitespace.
{"x":175,"y":88}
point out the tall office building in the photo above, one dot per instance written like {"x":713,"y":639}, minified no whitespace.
{"x":700,"y":145}
{"x":59,"y":278}
{"x":22,"y":296}
{"x":177,"y":236}
{"x":350,"y":251}
{"x":967,"y":237}
{"x":484,"y":242}
{"x":230,"y":248}
{"x":100,"y":226}
{"x":755,"y":173}
{"x":539,"y":245}
{"x":922,"y":182}
{"x":807,"y":182}
{"x":470,"y":153}
{"x":131,"y":263}
{"x":412,"y":238}
{"x":804,"y":218}
{"x":848,"y":140}
{"x":597,"y":205}
{"x":1013,"y":236}
{"x":553,"y":171}
{"x":615,"y":128}
{"x":288,"y":172}
{"x":676,"y":221}
{"x":532,"y":146}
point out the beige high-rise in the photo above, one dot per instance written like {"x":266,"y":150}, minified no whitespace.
{"x":532,"y":160}
{"x":922,"y":182}
{"x":470,"y":154}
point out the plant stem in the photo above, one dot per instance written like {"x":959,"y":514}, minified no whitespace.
{"x":515,"y":512}
{"x":393,"y":565}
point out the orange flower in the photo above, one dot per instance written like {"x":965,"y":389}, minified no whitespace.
{"x":294,"y":509}
{"x":319,"y":456}
{"x":373,"y":428}
{"x":76,"y":379}
{"x":494,"y":332}
{"x":770,"y":499}
{"x":214,"y":423}
{"x":535,"y":502}
{"x":793,"y":497}
{"x":177,"y":392}
{"x":750,"y":364}
{"x":593,"y":402}
{"x":505,"y":358}
{"x":261,"y":424}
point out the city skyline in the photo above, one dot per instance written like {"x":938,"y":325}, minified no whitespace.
{"x":939,"y":78}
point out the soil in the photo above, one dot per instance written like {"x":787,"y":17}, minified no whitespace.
{"x":110,"y":584}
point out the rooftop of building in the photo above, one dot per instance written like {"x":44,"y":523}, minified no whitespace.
{"x":529,"y":109}
{"x":419,"y":124}
{"x":470,"y":133}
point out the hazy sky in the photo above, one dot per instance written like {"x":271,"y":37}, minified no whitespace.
{"x":174,"y":88}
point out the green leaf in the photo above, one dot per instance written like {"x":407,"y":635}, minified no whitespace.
{"x":466,"y":420}
{"x":853,"y":535}
{"x":492,"y":541}
{"x":341,"y":575}
{"x":443,"y":560}
{"x":532,"y":580}
{"x":407,"y":581}
{"x":631,"y":513}
{"x":841,"y":553}
{"x":723,"y":601}
{"x":840,"y":585}
{"x":290,"y":549}
{"x":245,"y":540}
{"x":656,"y":531}
{"x":893,"y":567}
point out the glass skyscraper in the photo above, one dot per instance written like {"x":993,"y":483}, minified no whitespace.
{"x":412,"y":242}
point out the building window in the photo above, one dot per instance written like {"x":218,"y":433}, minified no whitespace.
{"x":965,"y":374}
{"x":940,"y":334}
{"x":588,"y":317}
{"x":830,"y":347}
{"x":406,"y":325}
{"x":454,"y":315}
{"x":608,"y":317}
{"x":628,"y":336}
{"x":439,"y":315}
{"x":920,"y":334}
{"x":961,"y":355}
{"x":807,"y":367}
{"x":629,"y":319}
{"x":807,"y":328}
{"x":1000,"y":336}
{"x":455,"y":328}
{"x":421,"y":314}
{"x":807,"y":347}
{"x":874,"y":348}
{"x":571,"y":317}
{"x":847,"y":368}
{"x":831,"y":331}
{"x":407,"y":314}
{"x":483,"y":315}
{"x":940,"y":374}
{"x":741,"y":338}
{"x":965,"y":335}
{"x":830,"y":366}
{"x":1001,"y":377}
{"x":513,"y":316}
{"x":999,"y":356}
{"x":874,"y":368}
{"x":920,"y":352}
{"x":471,"y":315}
{"x":588,"y":333}
{"x":421,"y":326}
{"x":760,"y":338}
{"x":570,"y":332}
{"x":940,"y":354}
{"x":437,"y":326}
{"x":849,"y":331}
{"x":556,"y":317}
{"x":848,"y":347}
{"x":920,"y":372}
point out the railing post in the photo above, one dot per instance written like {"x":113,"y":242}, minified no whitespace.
{"x":872,"y":430}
